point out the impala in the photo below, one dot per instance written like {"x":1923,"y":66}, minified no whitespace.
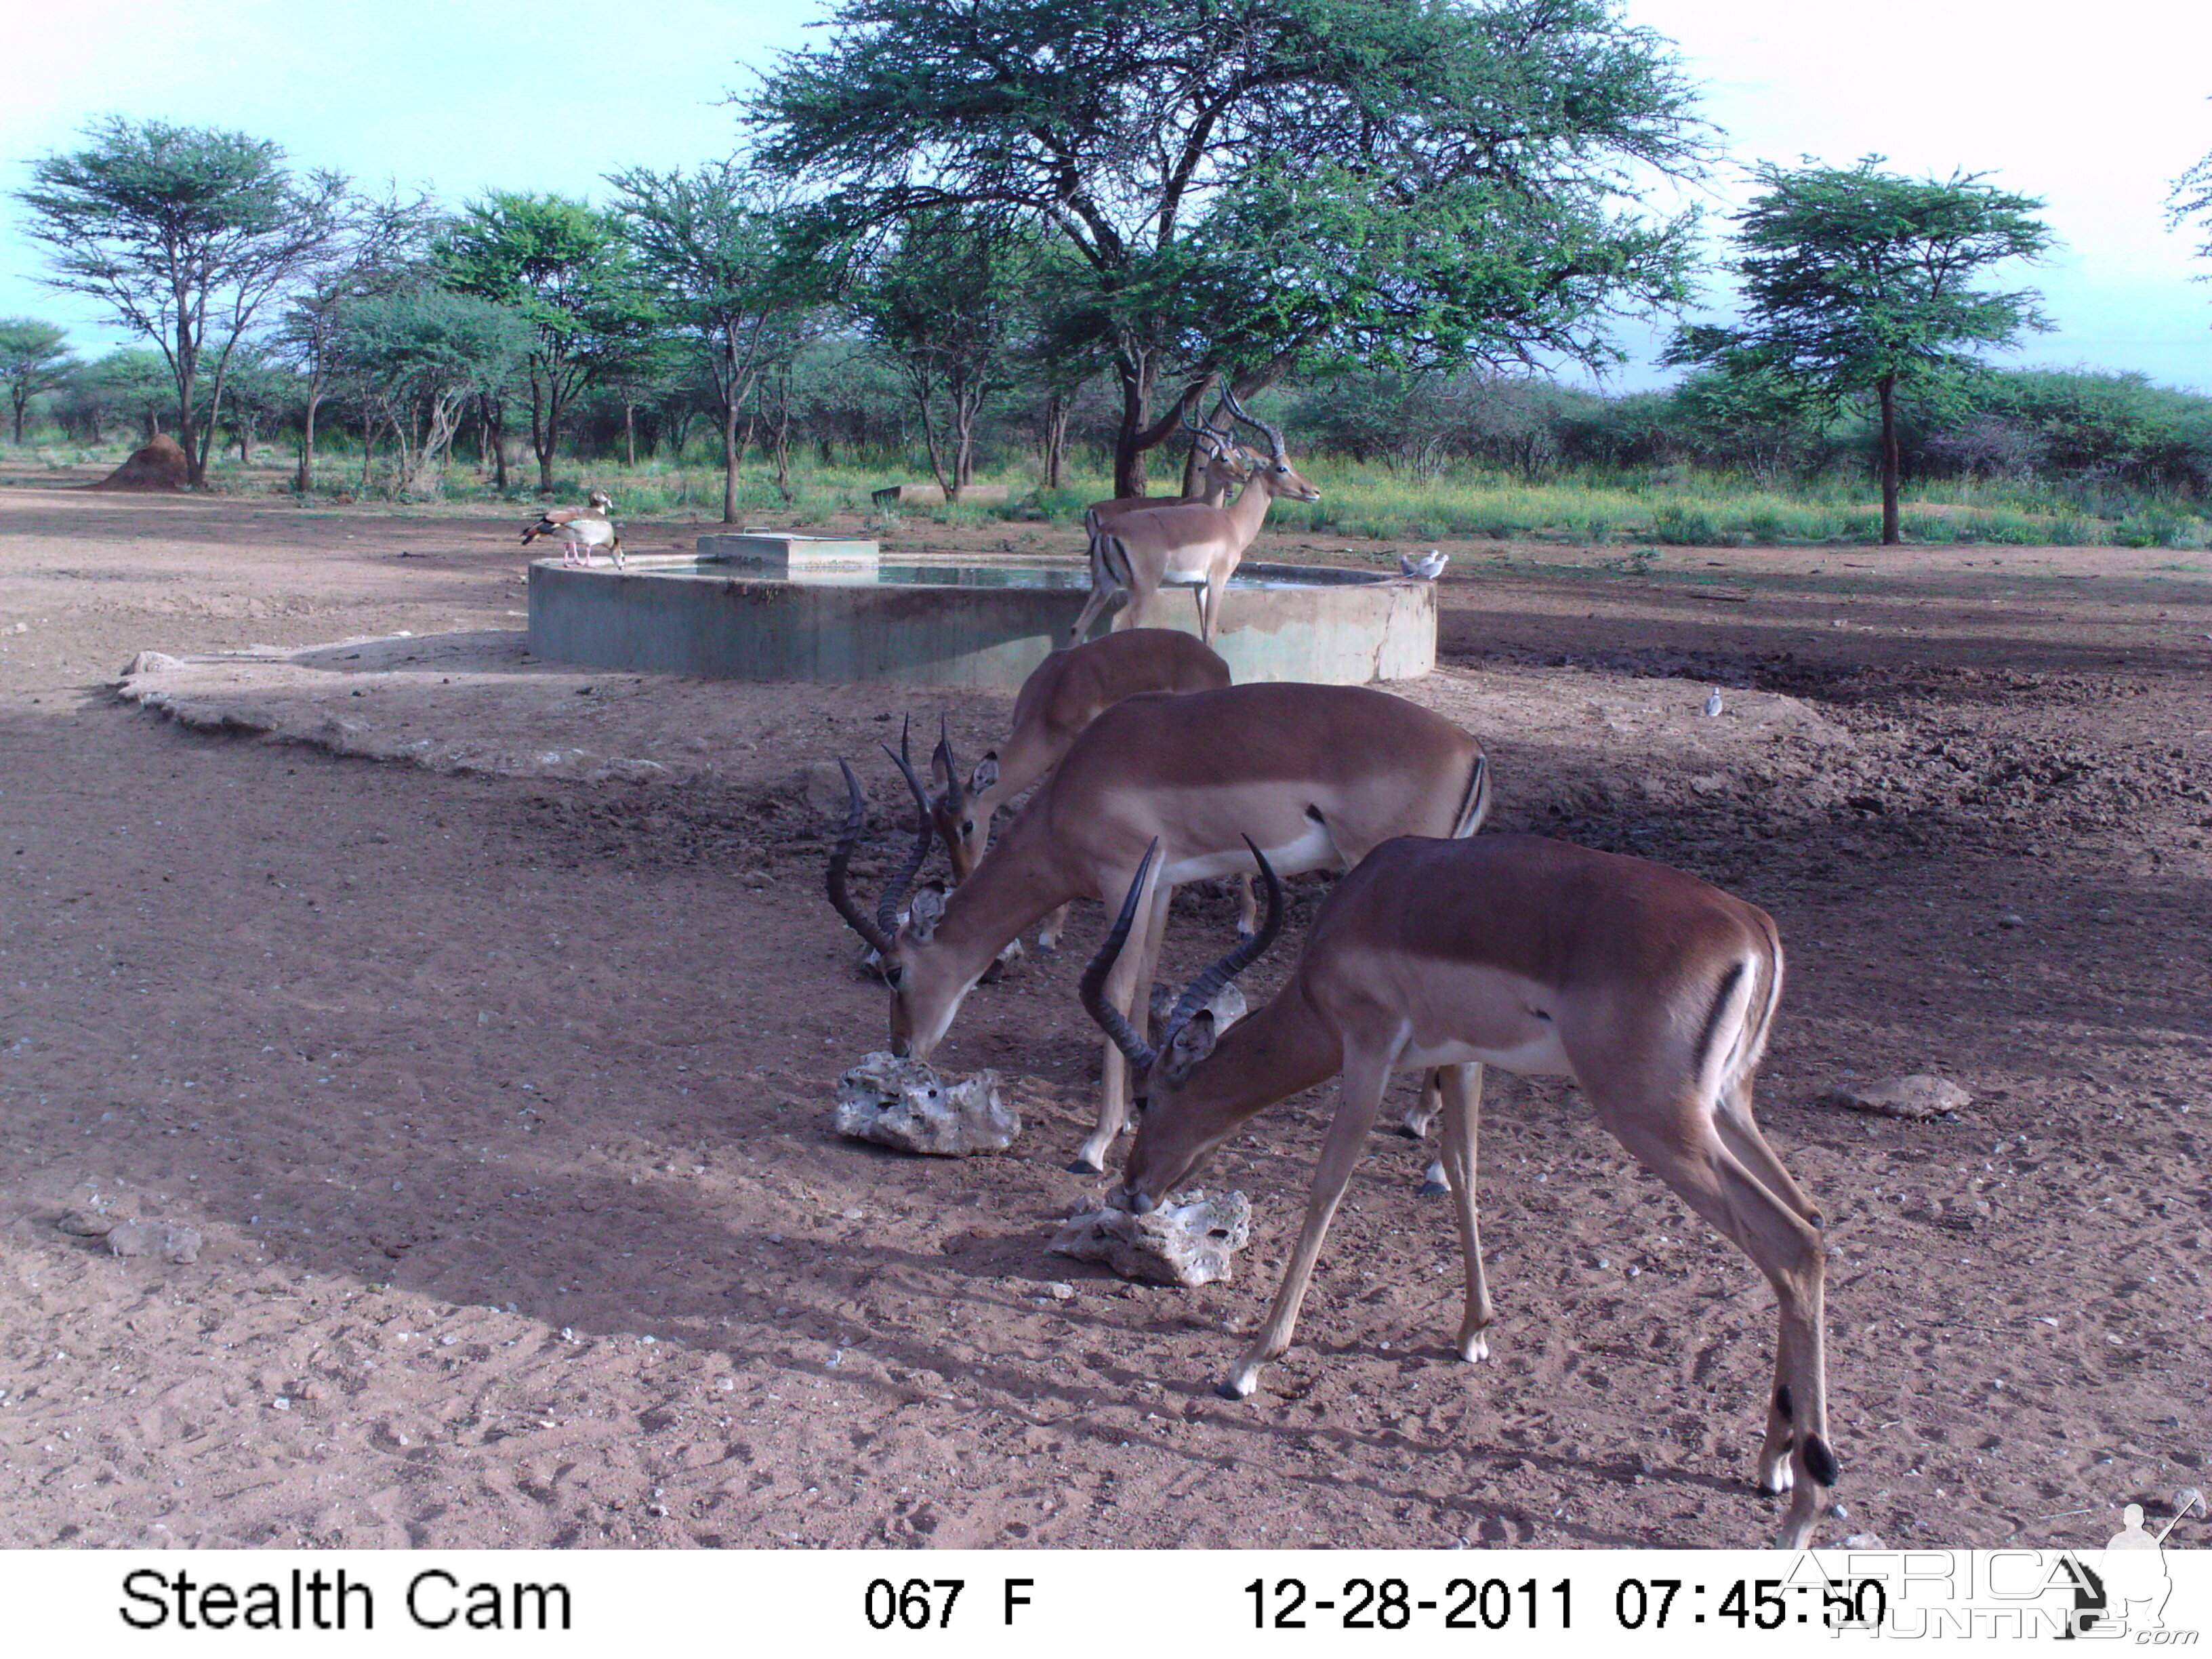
{"x":1228,"y":463}
{"x":1187,"y":544}
{"x":1652,"y":990}
{"x":1316,"y":774}
{"x":1056,"y":703}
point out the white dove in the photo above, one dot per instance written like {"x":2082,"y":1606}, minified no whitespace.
{"x":1429,"y":566}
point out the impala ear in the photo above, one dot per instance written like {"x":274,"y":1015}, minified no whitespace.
{"x":1191,"y":1046}
{"x":986,"y":775}
{"x":927,"y":910}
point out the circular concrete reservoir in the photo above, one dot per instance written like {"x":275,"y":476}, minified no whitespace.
{"x":762,"y":607}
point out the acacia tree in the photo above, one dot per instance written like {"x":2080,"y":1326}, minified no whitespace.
{"x":185,"y":233}
{"x":1857,"y":282}
{"x":131,"y":384}
{"x":34,"y":357}
{"x":416,"y":359}
{"x":949,"y":304}
{"x":719,"y":249}
{"x":379,"y":246}
{"x":2191,"y":198}
{"x":1249,"y":183}
{"x":565,"y":267}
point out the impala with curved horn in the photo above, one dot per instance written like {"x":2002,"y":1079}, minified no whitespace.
{"x":1316,"y":774}
{"x":1652,"y":990}
{"x":1056,"y":702}
{"x":1228,"y":463}
{"x":1187,"y":543}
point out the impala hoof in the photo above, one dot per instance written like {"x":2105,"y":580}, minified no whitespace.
{"x":1474,"y":1349}
{"x":1084,"y":1166}
{"x":1232,"y":1389}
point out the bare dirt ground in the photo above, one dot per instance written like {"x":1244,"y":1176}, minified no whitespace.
{"x":483,"y":1016}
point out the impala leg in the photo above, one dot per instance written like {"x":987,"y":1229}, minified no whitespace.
{"x":1131,"y":970}
{"x":1085,"y":617}
{"x":1740,"y":1133}
{"x":1362,"y":1099}
{"x":1247,"y":910}
{"x":1422,"y":1113}
{"x":1696,"y":1162}
{"x":1460,"y":1092}
{"x":1055,"y":926}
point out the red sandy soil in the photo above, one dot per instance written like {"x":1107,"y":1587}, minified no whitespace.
{"x":495,"y":1066}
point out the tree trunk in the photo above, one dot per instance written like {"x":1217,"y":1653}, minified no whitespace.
{"x":782,"y":435}
{"x":1137,"y":373}
{"x":929,"y":440}
{"x":306,"y":481}
{"x":21,"y":397}
{"x":730,"y":461}
{"x":1057,"y":411}
{"x":963,"y":429}
{"x":494,"y":413}
{"x":1891,"y":535}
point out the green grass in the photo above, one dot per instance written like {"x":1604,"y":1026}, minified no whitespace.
{"x":1670,"y":507}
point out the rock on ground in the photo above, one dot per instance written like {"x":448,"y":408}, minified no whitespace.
{"x":904,"y":1103}
{"x":1188,"y":1241}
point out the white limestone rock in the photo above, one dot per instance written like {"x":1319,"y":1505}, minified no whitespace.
{"x":1918,"y":1096}
{"x":166,"y":1239}
{"x":1227,"y":1007}
{"x":1188,"y":1241}
{"x":904,"y":1103}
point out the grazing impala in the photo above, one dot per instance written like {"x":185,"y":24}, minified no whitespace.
{"x":1064,"y":695}
{"x":1650,"y":989}
{"x":1187,"y":544}
{"x":1316,"y":774}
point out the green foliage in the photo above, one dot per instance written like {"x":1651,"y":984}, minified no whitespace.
{"x":949,"y":303}
{"x":179,"y":230}
{"x":724,"y":255}
{"x":1853,"y":276}
{"x":34,"y":357}
{"x":1257,"y":182}
{"x":566,"y":268}
{"x":2191,"y":198}
{"x":1856,"y":281}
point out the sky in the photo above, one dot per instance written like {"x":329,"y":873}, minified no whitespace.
{"x":2096,"y":110}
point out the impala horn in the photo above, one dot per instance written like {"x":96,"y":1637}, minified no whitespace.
{"x":956,"y":793}
{"x":881,"y":933}
{"x":1202,"y":990}
{"x":1274,"y":433}
{"x":1093,"y":986}
{"x":840,"y":895}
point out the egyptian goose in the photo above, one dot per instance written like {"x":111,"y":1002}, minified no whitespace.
{"x":578,"y":530}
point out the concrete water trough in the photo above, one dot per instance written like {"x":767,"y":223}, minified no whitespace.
{"x":764,"y":606}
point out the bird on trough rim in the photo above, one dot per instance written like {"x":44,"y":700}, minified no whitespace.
{"x":578,"y":530}
{"x":1429,"y":566}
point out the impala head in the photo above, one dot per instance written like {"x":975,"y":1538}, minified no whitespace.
{"x":1172,"y":1140}
{"x":1227,"y":463}
{"x":961,"y":811}
{"x":926,"y":988}
{"x":1275,"y":474}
